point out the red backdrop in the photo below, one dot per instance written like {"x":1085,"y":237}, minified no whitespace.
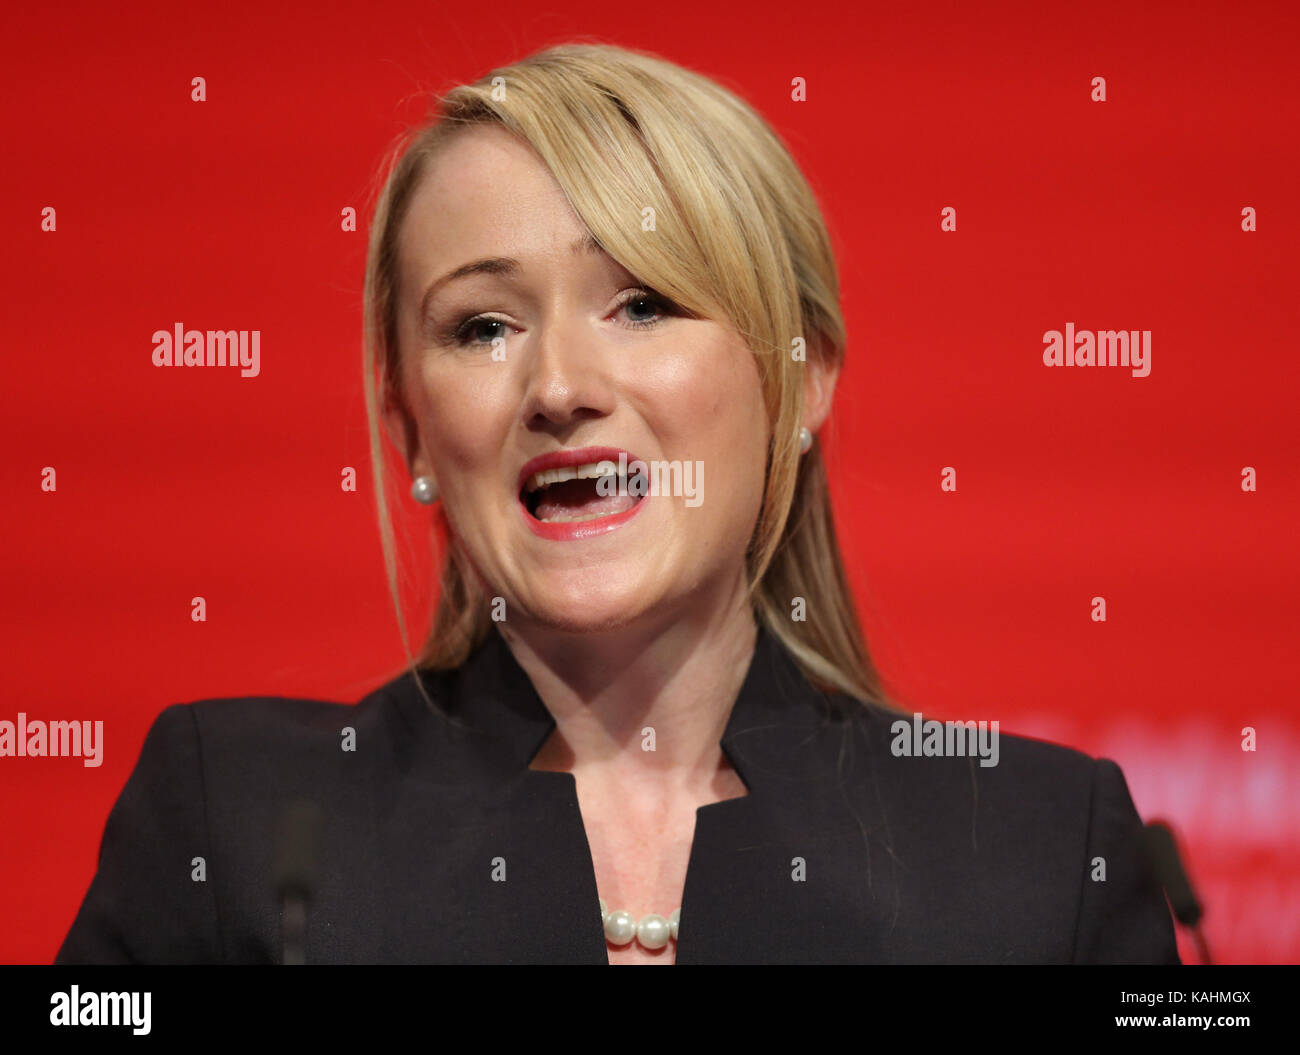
{"x":1071,"y":483}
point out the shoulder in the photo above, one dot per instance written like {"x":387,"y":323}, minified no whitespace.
{"x":271,"y":725}
{"x":276,"y":717}
{"x":946,"y":753}
{"x":1016,"y":785}
{"x":191,"y":836}
{"x":945,"y":787}
{"x":230,"y":750}
{"x":1040,"y":833}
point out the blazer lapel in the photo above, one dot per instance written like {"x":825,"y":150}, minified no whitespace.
{"x":795,"y":872}
{"x":515,"y":878}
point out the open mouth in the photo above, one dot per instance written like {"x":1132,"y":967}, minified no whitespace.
{"x":571,"y":494}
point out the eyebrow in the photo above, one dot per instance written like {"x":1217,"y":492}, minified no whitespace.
{"x":498,"y":265}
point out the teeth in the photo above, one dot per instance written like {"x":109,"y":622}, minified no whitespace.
{"x":576,"y":520}
{"x":590,"y":471}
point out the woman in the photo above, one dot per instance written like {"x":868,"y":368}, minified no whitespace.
{"x":603,"y":331}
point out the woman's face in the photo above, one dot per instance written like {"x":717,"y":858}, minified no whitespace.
{"x":557,"y":354}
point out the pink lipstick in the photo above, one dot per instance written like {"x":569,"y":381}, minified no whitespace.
{"x":562,"y":486}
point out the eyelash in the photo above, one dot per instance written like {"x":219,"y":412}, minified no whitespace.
{"x":459,"y":334}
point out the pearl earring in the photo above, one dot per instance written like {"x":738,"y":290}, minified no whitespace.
{"x":805,"y":440}
{"x":424,"y":490}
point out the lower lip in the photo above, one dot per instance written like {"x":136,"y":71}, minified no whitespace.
{"x":572,"y":530}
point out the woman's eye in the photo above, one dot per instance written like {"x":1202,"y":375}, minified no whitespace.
{"x":640,"y":308}
{"x":644,"y":309}
{"x":475,"y":331}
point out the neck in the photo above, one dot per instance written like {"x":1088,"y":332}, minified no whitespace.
{"x":679,"y":677}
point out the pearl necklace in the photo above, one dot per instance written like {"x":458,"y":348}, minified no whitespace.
{"x":652,"y":931}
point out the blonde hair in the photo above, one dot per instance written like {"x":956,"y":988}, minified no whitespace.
{"x":737,"y":234}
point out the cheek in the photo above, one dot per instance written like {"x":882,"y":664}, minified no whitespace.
{"x":463,"y":412}
{"x":708,"y":405}
{"x":711,"y":385}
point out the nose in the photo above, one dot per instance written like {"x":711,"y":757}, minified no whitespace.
{"x":566,"y":379}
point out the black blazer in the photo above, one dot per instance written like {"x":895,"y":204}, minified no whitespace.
{"x":906,"y":859}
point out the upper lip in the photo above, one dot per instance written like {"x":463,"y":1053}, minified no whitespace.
{"x":566,"y":458}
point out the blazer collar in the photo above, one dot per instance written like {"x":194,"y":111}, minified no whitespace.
{"x":813,"y":811}
{"x":494,"y":710}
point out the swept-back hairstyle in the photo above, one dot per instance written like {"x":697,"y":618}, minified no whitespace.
{"x":689,"y":189}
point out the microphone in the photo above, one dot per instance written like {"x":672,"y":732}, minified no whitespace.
{"x":296,"y":874}
{"x":1164,"y":861}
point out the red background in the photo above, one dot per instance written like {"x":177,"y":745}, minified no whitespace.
{"x":1072,"y":482}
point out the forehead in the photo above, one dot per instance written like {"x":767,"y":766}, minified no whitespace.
{"x":487,"y":193}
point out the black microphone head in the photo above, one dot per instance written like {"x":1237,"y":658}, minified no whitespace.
{"x":1165,"y":864}
{"x":296,"y":850}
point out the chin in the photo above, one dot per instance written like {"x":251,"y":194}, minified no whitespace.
{"x":590,"y":611}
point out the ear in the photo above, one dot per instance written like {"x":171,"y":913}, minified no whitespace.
{"x":405,"y":435}
{"x":820,"y":375}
